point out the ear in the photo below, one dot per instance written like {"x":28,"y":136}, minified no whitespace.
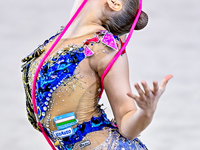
{"x":115,"y":5}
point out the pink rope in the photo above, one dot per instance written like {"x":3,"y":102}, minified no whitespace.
{"x":53,"y":46}
{"x":40,"y":65}
{"x":122,"y":49}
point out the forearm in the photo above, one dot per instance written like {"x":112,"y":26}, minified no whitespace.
{"x":133,"y":123}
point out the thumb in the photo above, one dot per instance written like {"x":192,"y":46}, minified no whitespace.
{"x":165,"y":81}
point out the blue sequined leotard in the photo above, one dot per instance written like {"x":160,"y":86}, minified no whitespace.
{"x":67,"y":94}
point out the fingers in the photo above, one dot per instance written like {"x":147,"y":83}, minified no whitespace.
{"x":155,"y":87}
{"x":139,"y":90}
{"x":143,"y":93}
{"x":147,"y":92}
{"x":165,"y":81}
{"x":168,"y":77}
{"x":146,"y":89}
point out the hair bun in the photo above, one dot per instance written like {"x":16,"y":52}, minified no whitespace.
{"x":142,"y":21}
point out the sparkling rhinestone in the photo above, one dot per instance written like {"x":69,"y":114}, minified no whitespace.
{"x":49,"y":94}
{"x":54,"y":88}
{"x":40,"y":47}
{"x":46,"y":103}
{"x":44,"y":108}
{"x":43,"y":114}
{"x":48,"y":98}
{"x":60,"y":51}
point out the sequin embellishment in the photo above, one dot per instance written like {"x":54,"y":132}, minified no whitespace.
{"x":88,"y":51}
{"x":92,"y":40}
{"x":109,"y":40}
{"x":52,"y":74}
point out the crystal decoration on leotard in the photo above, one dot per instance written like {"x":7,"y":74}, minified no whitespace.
{"x":92,"y":40}
{"x":113,"y":142}
{"x":88,"y":51}
{"x":101,"y":32}
{"x":53,"y":75}
{"x":109,"y":40}
{"x":39,"y":50}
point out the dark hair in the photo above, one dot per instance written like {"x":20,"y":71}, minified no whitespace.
{"x":121,"y":22}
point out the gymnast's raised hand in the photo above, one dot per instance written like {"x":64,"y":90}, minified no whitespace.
{"x":148,"y":98}
{"x":131,"y":120}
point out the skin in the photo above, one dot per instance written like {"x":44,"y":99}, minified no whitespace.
{"x":92,"y":14}
{"x":131,"y":120}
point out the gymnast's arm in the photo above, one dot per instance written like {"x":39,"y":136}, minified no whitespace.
{"x":131,"y":120}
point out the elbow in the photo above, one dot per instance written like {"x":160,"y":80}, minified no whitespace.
{"x":127,"y":134}
{"x":128,"y":125}
{"x":132,"y":124}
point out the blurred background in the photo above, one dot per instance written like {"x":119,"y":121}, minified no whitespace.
{"x":168,"y":45}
